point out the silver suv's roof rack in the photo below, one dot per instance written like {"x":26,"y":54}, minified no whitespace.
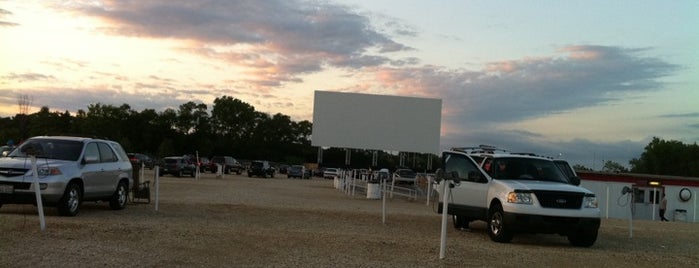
{"x":481,"y":149}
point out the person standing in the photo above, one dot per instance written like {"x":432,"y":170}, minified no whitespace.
{"x":663,"y":208}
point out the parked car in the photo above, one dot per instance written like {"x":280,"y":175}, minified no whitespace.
{"x":178,"y":166}
{"x":260,"y":168}
{"x":71,"y":170}
{"x":229,"y":164}
{"x":297,"y":171}
{"x":283,"y":169}
{"x":5,"y":150}
{"x":137,"y":159}
{"x":318,"y":172}
{"x":204,"y":164}
{"x":330,"y":173}
{"x":381,"y":175}
{"x":404,"y":175}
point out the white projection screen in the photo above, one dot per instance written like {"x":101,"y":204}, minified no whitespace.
{"x":376,"y":122}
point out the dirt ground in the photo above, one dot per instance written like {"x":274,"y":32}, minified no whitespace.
{"x":252,"y":222}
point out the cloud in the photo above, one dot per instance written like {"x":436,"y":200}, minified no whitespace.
{"x":3,"y":13}
{"x":289,"y":38}
{"x":511,"y":91}
{"x":687,"y":115}
{"x":480,"y":105}
{"x":578,"y":151}
{"x":28,"y":77}
{"x":8,"y":24}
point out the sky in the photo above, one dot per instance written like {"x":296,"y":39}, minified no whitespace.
{"x":589,"y":81}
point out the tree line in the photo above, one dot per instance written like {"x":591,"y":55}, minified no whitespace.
{"x":231,"y":127}
{"x":668,"y":158}
{"x":234,"y":128}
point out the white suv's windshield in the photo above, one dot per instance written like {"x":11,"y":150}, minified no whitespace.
{"x":50,"y":148}
{"x":521,"y":168}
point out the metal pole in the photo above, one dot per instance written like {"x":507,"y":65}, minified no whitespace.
{"x":157,"y":187}
{"x":655,"y":200}
{"x":383,"y":181}
{"x":606,"y":205}
{"x":429,"y":188}
{"x":445,"y":208}
{"x":631,"y":215}
{"x":694,"y":217}
{"x":375,"y":158}
{"x":198,"y":171}
{"x":37,"y":192}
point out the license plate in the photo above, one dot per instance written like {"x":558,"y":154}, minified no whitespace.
{"x":6,"y":188}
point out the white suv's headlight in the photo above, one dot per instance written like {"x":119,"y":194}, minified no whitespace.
{"x":520,"y":197}
{"x":590,"y":201}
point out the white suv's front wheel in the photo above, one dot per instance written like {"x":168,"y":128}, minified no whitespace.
{"x":496,"y":225}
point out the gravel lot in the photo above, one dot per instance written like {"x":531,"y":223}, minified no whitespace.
{"x":252,"y":222}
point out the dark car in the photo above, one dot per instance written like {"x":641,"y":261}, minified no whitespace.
{"x":204,"y":164}
{"x":228,"y":163}
{"x":260,"y":168}
{"x":178,"y":166}
{"x":283,"y":168}
{"x":141,"y":159}
{"x":297,"y":171}
{"x":5,"y":150}
{"x":404,"y":175}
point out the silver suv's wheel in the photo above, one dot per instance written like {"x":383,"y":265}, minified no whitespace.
{"x":119,"y":197}
{"x":69,"y":205}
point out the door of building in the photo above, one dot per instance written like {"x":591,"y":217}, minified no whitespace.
{"x":646,"y":202}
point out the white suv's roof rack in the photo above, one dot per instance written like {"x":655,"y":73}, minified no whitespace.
{"x":481,"y":149}
{"x":533,"y":154}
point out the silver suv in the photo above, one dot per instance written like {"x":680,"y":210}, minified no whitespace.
{"x":70,"y":170}
{"x":517,"y":193}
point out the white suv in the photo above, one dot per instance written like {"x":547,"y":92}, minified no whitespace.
{"x":70,"y":170}
{"x":517,"y":193}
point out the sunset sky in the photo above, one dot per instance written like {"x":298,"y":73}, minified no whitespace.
{"x":588,"y":80}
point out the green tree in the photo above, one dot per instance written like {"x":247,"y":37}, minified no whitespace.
{"x":668,"y":158}
{"x":233,"y":118}
{"x":581,"y":167}
{"x":611,"y":166}
{"x":107,"y":121}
